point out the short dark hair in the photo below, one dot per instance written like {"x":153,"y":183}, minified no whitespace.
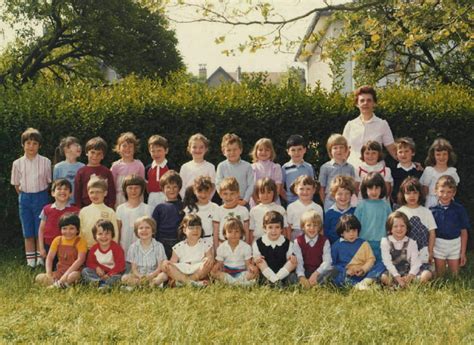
{"x":60,"y":182}
{"x":264,"y":184}
{"x":346,"y":223}
{"x":96,"y":143}
{"x":391,"y":220}
{"x":133,"y":180}
{"x":367,"y":89}
{"x":373,"y":179}
{"x":70,"y":219}
{"x":158,"y":140}
{"x":171,"y":177}
{"x":31,"y":134}
{"x":295,"y":140}
{"x":273,"y":217}
{"x":189,"y":220}
{"x":373,"y":146}
{"x":105,"y":224}
{"x":410,"y":184}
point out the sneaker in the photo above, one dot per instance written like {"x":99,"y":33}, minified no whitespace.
{"x":127,"y":288}
{"x":199,"y":283}
{"x":39,"y":262}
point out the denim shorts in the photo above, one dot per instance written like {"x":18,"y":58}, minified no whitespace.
{"x":30,"y":207}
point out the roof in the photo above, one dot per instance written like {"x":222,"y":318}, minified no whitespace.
{"x":220,"y":70}
{"x":309,"y":31}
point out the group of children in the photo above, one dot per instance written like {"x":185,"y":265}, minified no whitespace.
{"x":268,"y":227}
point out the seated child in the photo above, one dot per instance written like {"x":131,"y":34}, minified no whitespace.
{"x":273,"y":253}
{"x":312,"y":251}
{"x":106,"y":260}
{"x":234,"y":257}
{"x":146,"y":256}
{"x":70,"y":250}
{"x":192,"y":258}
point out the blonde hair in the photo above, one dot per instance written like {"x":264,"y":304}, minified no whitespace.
{"x":229,"y":139}
{"x":265,"y":142}
{"x":311,"y":216}
{"x":229,"y":183}
{"x":344,"y":182}
{"x":446,"y":181}
{"x":97,"y":182}
{"x":145,"y":219}
{"x":129,"y":138}
{"x":197,"y":137}
{"x":232,"y":224}
{"x":335,"y":139}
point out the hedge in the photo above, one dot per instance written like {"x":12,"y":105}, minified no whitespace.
{"x":178,"y":109}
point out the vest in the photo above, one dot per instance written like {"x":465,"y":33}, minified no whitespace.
{"x":275,"y":257}
{"x":312,"y":256}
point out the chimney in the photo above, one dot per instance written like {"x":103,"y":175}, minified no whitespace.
{"x":239,"y":74}
{"x":202,"y":71}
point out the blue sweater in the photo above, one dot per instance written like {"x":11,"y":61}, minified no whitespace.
{"x":331,"y":217}
{"x":372,"y":215}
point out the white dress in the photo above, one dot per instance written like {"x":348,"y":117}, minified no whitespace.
{"x":190,"y":258}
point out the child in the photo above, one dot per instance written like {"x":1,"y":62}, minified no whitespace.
{"x":304,"y":187}
{"x":371,"y":156}
{"x":192,"y":258}
{"x":234,"y":257}
{"x":422,"y":223}
{"x":133,"y":187}
{"x":233,"y":166}
{"x":70,"y":250}
{"x":229,"y":192}
{"x":198,"y":145}
{"x":69,"y":150}
{"x":373,"y":211}
{"x":338,"y":166}
{"x":106,"y":259}
{"x":342,"y":189}
{"x":198,"y":201}
{"x":145,"y":255}
{"x":265,"y":194}
{"x":89,"y":215}
{"x":263,"y":165}
{"x":169,"y":214}
{"x":405,"y":167}
{"x":158,"y":148}
{"x":312,"y":251}
{"x":352,"y":258}
{"x":453,"y":224}
{"x":126,"y":147}
{"x":291,"y":170}
{"x":439,"y":162}
{"x":49,"y":225}
{"x":96,"y":148}
{"x":31,"y":176}
{"x":399,"y":253}
{"x":273,"y":253}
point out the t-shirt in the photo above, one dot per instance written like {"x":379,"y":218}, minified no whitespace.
{"x":191,"y":254}
{"x":206,"y":213}
{"x":256,"y":217}
{"x":120,"y":170}
{"x":127,"y":216}
{"x":234,"y":258}
{"x":372,"y":215}
{"x":81,"y":245}
{"x":190,"y":170}
{"x":296,"y":209}
{"x":112,"y":260}
{"x":68,"y":171}
{"x":222,"y":214}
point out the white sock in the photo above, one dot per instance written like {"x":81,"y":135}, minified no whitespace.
{"x":270,"y":275}
{"x":282,"y":273}
{"x":31,"y":259}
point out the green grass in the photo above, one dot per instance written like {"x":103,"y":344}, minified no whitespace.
{"x":441,"y":313}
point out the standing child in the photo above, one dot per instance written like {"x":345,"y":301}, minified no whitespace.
{"x":69,"y":150}
{"x":198,"y":145}
{"x":400,"y":253}
{"x":304,"y":187}
{"x":312,"y":251}
{"x":96,"y":148}
{"x":106,"y":260}
{"x":373,"y":211}
{"x":440,"y":161}
{"x":31,"y":176}
{"x":338,"y":166}
{"x":192,"y":258}
{"x":126,"y":147}
{"x":234,"y":257}
{"x":70,"y":250}
{"x":342,"y":189}
{"x":233,"y":166}
{"x":452,"y":232}
{"x":133,"y":188}
{"x":273,"y":253}
{"x":146,"y":256}
{"x":263,"y":165}
{"x":291,"y":170}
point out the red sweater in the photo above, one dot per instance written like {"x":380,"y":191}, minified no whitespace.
{"x":80,"y":185}
{"x":112,"y":261}
{"x":51,"y":226}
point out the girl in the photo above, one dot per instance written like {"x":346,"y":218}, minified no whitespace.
{"x":197,"y":200}
{"x":70,"y":250}
{"x":234,"y":257}
{"x":146,"y":256}
{"x":126,"y":147}
{"x":198,"y":146}
{"x":133,"y":187}
{"x":440,"y":161}
{"x":263,"y":165}
{"x":399,"y":253}
{"x":265,"y":194}
{"x":422,"y":222}
{"x":192,"y":258}
{"x":304,"y":187}
{"x":373,"y":211}
{"x":69,"y":150}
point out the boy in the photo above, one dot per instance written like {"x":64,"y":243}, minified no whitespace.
{"x":31,"y":176}
{"x":405,"y":152}
{"x":49,"y":228}
{"x":342,"y":189}
{"x":158,"y":148}
{"x":168,"y":215}
{"x":233,"y":166}
{"x":453,"y":223}
{"x":89,"y":215}
{"x":230,"y":208}
{"x":106,"y":260}
{"x":296,"y":149}
{"x":337,"y":150}
{"x":96,"y":148}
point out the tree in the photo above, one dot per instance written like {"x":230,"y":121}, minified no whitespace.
{"x":78,"y":35}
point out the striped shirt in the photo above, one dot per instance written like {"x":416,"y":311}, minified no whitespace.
{"x":147,"y":260}
{"x":31,"y":175}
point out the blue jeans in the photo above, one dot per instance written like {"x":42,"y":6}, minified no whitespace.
{"x":90,"y":276}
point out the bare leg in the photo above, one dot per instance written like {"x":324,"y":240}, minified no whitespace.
{"x":386,"y":279}
{"x":453,"y":266}
{"x":176,"y":274}
{"x":159,"y":279}
{"x":440,"y":265}
{"x":425,"y":276}
{"x":73,"y":277}
{"x":130,"y":279}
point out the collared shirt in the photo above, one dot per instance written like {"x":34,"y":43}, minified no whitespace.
{"x":266,"y":241}
{"x":450,"y":219}
{"x":31,"y":175}
{"x":412,"y":166}
{"x":327,"y":260}
{"x":290,"y":172}
{"x":161,"y":165}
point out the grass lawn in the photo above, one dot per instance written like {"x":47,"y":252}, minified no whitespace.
{"x":441,"y":313}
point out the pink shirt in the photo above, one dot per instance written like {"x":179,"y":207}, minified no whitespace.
{"x":32,"y":175}
{"x":268,"y":169}
{"x":120,"y":170}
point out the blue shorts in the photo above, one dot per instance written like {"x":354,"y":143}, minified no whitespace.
{"x":31,"y":205}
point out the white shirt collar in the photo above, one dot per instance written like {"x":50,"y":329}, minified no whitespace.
{"x":372,"y":119}
{"x":266,"y":241}
{"x":335,"y":208}
{"x":412,"y":166}
{"x":311,"y":240}
{"x":161,"y":165}
{"x":56,"y":206}
{"x":392,"y":239}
